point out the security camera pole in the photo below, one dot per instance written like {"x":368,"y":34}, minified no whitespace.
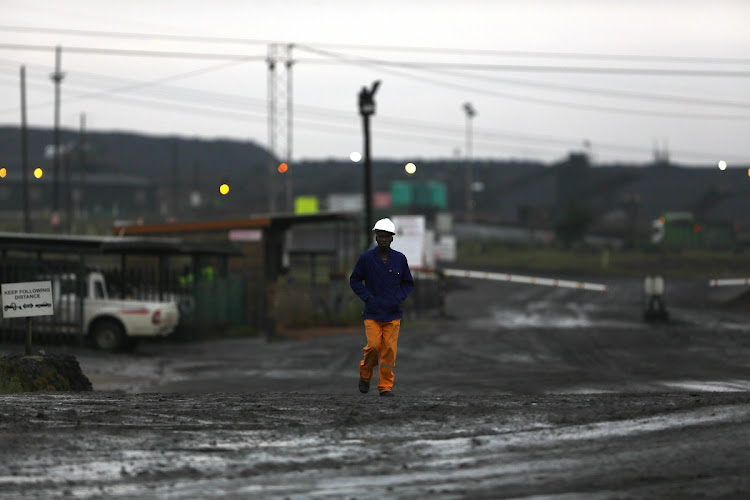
{"x":366,"y":109}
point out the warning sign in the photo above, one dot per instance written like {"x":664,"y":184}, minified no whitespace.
{"x":33,"y":298}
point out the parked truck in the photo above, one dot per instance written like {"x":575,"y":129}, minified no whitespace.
{"x":111,"y":324}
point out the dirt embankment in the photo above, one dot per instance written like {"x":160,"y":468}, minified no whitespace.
{"x":59,"y":372}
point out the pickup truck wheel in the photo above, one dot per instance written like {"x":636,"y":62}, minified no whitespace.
{"x":108,"y":336}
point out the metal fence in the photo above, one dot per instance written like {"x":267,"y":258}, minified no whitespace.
{"x":66,"y":323}
{"x":213,"y":299}
{"x":209,"y":302}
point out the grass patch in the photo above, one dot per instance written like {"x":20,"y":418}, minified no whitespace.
{"x":492,"y":255}
{"x":10,"y":385}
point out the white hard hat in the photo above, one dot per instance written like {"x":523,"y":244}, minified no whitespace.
{"x":385,"y":225}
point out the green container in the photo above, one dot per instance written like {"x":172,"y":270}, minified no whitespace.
{"x":682,"y":231}
{"x":421,"y":194}
{"x":430,"y":194}
{"x":438,"y":194}
{"x":402,"y":194}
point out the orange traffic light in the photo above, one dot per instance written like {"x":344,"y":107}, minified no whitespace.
{"x":283,"y":168}
{"x":3,"y":172}
{"x":38,"y":173}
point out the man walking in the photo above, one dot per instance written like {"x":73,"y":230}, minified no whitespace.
{"x":387,"y":282}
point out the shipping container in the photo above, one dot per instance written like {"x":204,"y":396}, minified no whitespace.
{"x":682,"y":230}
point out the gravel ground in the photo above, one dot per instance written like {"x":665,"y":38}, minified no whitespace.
{"x":524,"y":391}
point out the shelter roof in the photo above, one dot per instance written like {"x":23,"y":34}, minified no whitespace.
{"x":271,"y":221}
{"x":59,"y":243}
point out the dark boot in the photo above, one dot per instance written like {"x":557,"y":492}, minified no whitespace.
{"x":364,"y":385}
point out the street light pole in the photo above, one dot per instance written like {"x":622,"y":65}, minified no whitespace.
{"x":25,"y":155}
{"x":367,"y":109}
{"x":470,"y":113}
{"x":56,"y":77}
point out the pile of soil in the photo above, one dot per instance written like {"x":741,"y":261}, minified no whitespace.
{"x":42,"y":373}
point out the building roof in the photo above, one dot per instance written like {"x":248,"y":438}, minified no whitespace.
{"x":59,"y":243}
{"x":281,"y":220}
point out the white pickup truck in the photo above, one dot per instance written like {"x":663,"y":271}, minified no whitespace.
{"x":112,"y":324}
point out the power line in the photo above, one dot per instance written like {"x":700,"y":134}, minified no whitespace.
{"x":549,"y":55}
{"x":439,"y":134}
{"x":523,"y":68}
{"x":408,"y":135}
{"x":570,"y":88}
{"x":134,"y":85}
{"x":132,"y":52}
{"x":124,"y":85}
{"x":139,"y":36}
{"x":412,"y":76}
{"x":400,"y":130}
{"x":233,"y":100}
{"x":180,"y":76}
{"x":384,"y":48}
{"x":342,"y":59}
{"x":326,"y":113}
{"x":605,"y":92}
{"x":528,"y":68}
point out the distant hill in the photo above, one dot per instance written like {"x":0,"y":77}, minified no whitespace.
{"x":521,"y":192}
{"x":153,"y":157}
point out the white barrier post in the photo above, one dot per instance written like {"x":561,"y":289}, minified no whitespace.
{"x":730,"y":282}
{"x":655,"y":309}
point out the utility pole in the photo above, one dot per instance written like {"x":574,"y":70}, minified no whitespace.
{"x":470,"y":114}
{"x":57,"y":78}
{"x":82,"y":147}
{"x":67,"y":190}
{"x":367,"y":109}
{"x":25,"y":155}
{"x":175,"y":175}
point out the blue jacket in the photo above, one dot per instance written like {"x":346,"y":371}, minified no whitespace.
{"x":386,"y":285}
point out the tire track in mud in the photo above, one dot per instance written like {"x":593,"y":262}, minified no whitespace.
{"x":479,"y":413}
{"x":309,"y":446}
{"x":522,"y":335}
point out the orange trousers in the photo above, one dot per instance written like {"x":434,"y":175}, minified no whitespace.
{"x":382,"y":338}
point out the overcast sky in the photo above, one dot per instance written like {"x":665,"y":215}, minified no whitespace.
{"x":545,"y":77}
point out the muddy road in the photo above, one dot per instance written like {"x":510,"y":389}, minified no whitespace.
{"x":523,"y":391}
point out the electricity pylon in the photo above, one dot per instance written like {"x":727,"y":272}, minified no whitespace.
{"x":279,"y":90}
